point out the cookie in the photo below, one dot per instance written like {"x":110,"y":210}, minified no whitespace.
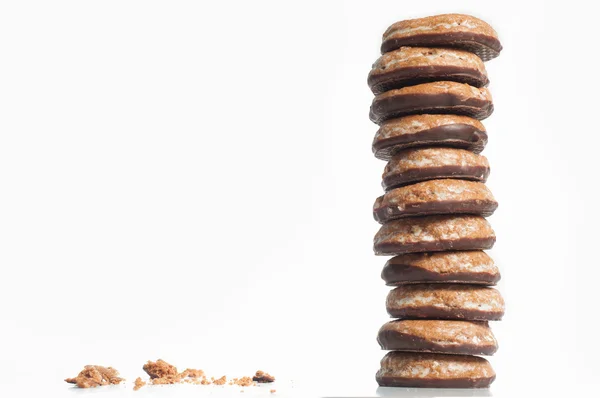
{"x":409,"y":66}
{"x":448,"y":30}
{"x":442,"y":97}
{"x":474,"y":267}
{"x":445,"y":301}
{"x":440,"y":336}
{"x":409,"y":369}
{"x":435,"y":197}
{"x":423,"y":164}
{"x":415,"y":131}
{"x":433,"y":234}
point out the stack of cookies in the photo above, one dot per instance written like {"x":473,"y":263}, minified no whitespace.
{"x":430,"y":95}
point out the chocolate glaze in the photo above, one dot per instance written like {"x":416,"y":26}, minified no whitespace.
{"x":430,"y":312}
{"x":472,"y":173}
{"x":457,"y":135}
{"x":478,"y":207}
{"x":402,"y":274}
{"x":391,"y":340}
{"x":413,"y":75}
{"x":390,"y":381}
{"x":486,"y":47}
{"x":412,"y":104}
{"x":435,"y":246}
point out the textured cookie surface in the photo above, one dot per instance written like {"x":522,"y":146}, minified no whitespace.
{"x":449,"y":30}
{"x":455,"y":131}
{"x":407,"y":369}
{"x":441,"y":97}
{"x":473,"y":267}
{"x":441,"y":336}
{"x":445,"y":301}
{"x":409,"y":66}
{"x":433,"y":197}
{"x":422,"y":164}
{"x":434,"y":233}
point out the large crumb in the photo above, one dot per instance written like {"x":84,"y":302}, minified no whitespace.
{"x":245,"y":381}
{"x":263,"y":377}
{"x":221,"y":381}
{"x":273,"y":391}
{"x":138,"y":384}
{"x":159,"y":369}
{"x":94,"y":376}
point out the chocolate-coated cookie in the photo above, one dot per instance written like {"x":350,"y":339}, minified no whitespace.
{"x":441,"y":336}
{"x":473,"y":267}
{"x":410,"y":369}
{"x":445,"y":301}
{"x":409,"y":66}
{"x":448,"y":30}
{"x":434,"y":233}
{"x":442,"y":97}
{"x":414,"y":131}
{"x":422,"y":164}
{"x":433,"y":197}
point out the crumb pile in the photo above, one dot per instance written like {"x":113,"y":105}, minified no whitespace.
{"x":94,"y":376}
{"x":161,"y":373}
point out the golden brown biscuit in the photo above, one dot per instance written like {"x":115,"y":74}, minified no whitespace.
{"x":409,"y":66}
{"x":448,"y":30}
{"x":409,"y":369}
{"x":441,"y":97}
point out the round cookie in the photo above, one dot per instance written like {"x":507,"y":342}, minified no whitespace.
{"x":442,"y":97}
{"x":423,"y":164}
{"x":394,"y":135}
{"x":473,"y":267}
{"x":434,"y":197}
{"x":409,"y":369}
{"x":448,"y":30}
{"x":445,"y":301}
{"x":409,"y":66}
{"x":433,"y":234}
{"x":441,"y":336}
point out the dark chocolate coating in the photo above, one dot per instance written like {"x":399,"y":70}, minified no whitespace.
{"x":412,"y":104}
{"x":435,"y":246}
{"x":410,"y":76}
{"x":486,"y":47}
{"x":388,"y":381}
{"x":429,"y":312}
{"x":471,"y":173}
{"x":462,"y":136}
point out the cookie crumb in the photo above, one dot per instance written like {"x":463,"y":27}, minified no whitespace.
{"x":221,"y":381}
{"x":159,"y":369}
{"x":263,"y":377}
{"x":139,"y":383}
{"x":245,"y":381}
{"x":94,"y":376}
{"x":273,"y":391}
{"x":193,"y":373}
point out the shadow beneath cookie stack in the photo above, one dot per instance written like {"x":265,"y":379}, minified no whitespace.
{"x":430,"y":97}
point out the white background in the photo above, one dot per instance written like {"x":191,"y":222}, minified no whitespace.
{"x":194,"y":180}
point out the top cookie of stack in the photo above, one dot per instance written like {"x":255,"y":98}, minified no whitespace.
{"x":430,"y":95}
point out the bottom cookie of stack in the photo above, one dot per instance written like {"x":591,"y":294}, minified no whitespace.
{"x":411,"y":369}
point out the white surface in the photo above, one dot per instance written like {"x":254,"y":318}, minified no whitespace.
{"x":194,"y":181}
